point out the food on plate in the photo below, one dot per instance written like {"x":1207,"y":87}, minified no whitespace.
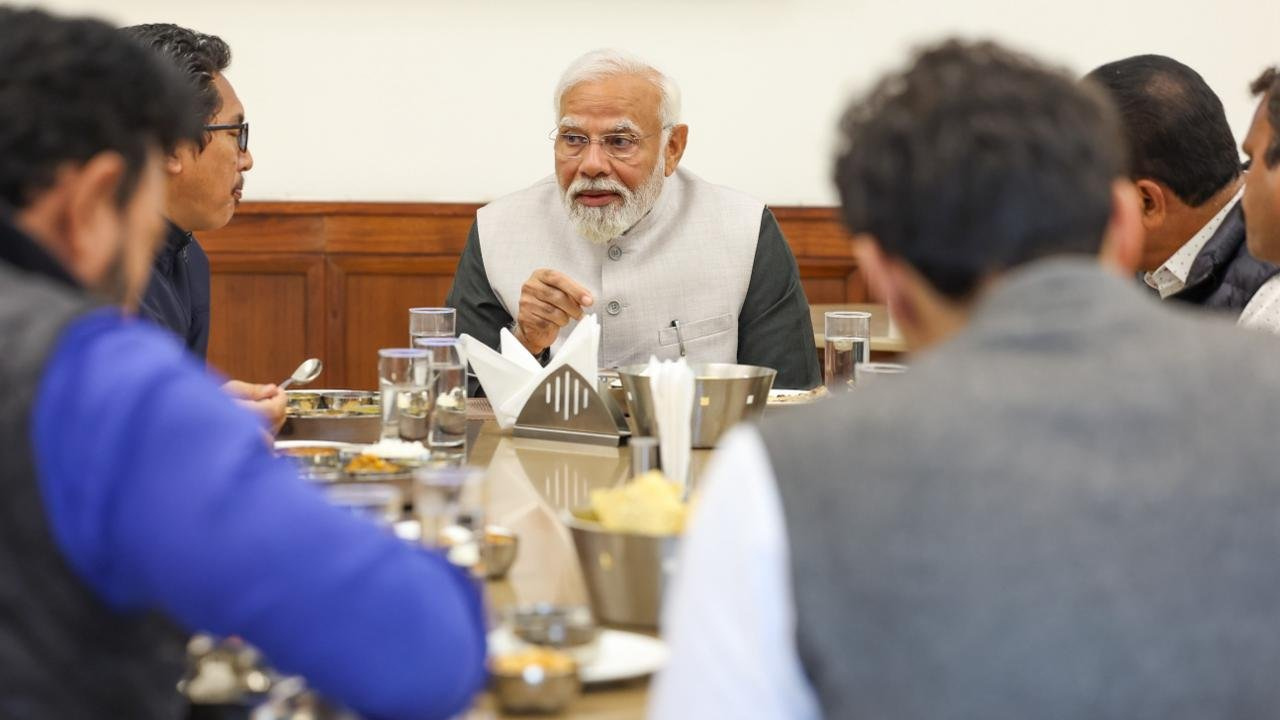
{"x":396,"y":449}
{"x":371,"y":464}
{"x":649,"y":504}
{"x":310,"y":451}
{"x":551,"y":661}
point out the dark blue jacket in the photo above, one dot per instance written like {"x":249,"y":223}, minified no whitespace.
{"x":178,"y":295}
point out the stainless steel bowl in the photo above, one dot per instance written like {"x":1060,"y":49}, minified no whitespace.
{"x":353,"y":416}
{"x":554,"y":625}
{"x":626,"y":573}
{"x":724,"y":395}
{"x":535,"y":689}
{"x":500,"y":549}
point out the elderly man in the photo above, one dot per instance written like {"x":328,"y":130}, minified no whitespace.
{"x":1029,"y":524}
{"x":204,"y":178}
{"x":1184,"y":163}
{"x":137,"y":502}
{"x":671,"y":264}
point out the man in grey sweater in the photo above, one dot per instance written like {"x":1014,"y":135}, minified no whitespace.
{"x":1066,"y":509}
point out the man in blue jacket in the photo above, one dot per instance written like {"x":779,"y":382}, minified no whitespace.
{"x":138,"y":502}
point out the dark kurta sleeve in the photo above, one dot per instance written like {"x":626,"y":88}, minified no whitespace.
{"x":774,"y":327}
{"x":480,"y":313}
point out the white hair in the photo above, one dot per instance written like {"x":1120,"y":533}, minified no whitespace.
{"x":600,"y":64}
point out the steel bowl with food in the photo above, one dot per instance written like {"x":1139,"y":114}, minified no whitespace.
{"x":499,"y":551}
{"x":626,"y":573}
{"x":724,"y":395}
{"x":534,"y":679}
{"x":340,"y":415}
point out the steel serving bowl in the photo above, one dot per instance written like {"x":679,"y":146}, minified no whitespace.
{"x":536,"y":687}
{"x":626,"y":574}
{"x":724,"y":395}
{"x":499,"y":551}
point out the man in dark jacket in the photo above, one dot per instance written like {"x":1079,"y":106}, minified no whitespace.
{"x":204,"y":181}
{"x":1184,"y":162}
{"x":137,"y":502}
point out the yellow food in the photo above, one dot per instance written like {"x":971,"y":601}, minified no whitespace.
{"x":309,"y":451}
{"x":371,"y":464}
{"x":649,"y":504}
{"x":549,"y":660}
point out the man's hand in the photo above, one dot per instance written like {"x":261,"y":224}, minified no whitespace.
{"x":266,"y":400}
{"x":548,"y":301}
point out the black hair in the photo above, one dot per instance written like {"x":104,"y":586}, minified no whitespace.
{"x":197,"y":55}
{"x":71,"y":88}
{"x":1268,"y":86}
{"x":975,"y":160}
{"x":1174,"y":123}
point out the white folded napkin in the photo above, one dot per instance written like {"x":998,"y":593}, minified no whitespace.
{"x":672,"y":384}
{"x":510,"y":377}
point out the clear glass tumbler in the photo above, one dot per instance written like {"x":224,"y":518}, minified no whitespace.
{"x":847,"y":345}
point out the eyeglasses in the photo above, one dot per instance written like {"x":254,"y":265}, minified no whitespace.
{"x":620,"y":146}
{"x":242,"y":137}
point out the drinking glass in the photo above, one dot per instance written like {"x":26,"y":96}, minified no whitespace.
{"x":449,"y":501}
{"x":848,"y":345}
{"x":406,"y":397}
{"x":447,"y":383}
{"x":381,"y":503}
{"x":429,"y":322}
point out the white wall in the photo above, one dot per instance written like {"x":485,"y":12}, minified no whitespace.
{"x":438,"y":100}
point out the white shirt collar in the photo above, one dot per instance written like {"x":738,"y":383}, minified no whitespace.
{"x":1171,"y":277}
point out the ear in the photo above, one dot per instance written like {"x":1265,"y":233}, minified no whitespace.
{"x":674,"y":149}
{"x":1122,"y":240}
{"x":92,"y":214}
{"x":176,"y":161}
{"x":884,"y":279}
{"x":1152,"y":201}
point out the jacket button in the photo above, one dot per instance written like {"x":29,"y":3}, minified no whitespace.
{"x":615,"y":252}
{"x":613,"y":308}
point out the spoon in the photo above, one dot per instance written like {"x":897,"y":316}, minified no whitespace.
{"x":309,"y":370}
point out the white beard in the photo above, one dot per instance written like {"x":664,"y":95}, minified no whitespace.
{"x":599,"y":225}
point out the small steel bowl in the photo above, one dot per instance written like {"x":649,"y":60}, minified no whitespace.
{"x":560,"y":626}
{"x":535,"y":689}
{"x":500,"y":549}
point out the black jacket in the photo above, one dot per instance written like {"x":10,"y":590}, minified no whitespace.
{"x":177,"y":297}
{"x":1224,"y":275}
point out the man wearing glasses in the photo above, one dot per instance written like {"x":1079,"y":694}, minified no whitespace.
{"x":672,"y":265}
{"x":204,"y":181}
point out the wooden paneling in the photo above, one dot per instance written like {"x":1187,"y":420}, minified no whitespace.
{"x":369,"y":298}
{"x":333,"y":280}
{"x":267,"y":313}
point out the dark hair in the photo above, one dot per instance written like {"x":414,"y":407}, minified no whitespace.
{"x":975,"y":160}
{"x":197,"y":55}
{"x":1174,"y":123}
{"x":1268,"y":86}
{"x":73,"y":88}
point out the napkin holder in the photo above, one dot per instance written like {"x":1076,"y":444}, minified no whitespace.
{"x":566,"y":407}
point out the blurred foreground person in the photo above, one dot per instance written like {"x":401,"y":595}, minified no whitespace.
{"x":139,"y":502}
{"x":1030,"y":523}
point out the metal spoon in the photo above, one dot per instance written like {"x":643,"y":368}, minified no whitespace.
{"x":309,"y":370}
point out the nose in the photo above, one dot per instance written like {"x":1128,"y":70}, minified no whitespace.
{"x":595,"y":161}
{"x":246,"y":161}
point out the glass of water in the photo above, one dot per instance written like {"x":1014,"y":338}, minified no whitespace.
{"x":448,"y":386}
{"x":406,"y":397}
{"x":431,"y":322}
{"x":449,"y":501}
{"x":848,"y":345}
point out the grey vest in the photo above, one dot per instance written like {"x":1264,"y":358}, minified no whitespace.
{"x":63,"y":653}
{"x":1070,"y":511}
{"x":689,"y":259}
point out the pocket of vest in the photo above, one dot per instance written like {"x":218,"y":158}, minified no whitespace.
{"x":697,"y":329}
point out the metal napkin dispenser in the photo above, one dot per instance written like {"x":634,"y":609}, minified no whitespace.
{"x":567,"y":407}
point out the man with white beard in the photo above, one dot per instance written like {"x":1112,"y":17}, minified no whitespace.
{"x":671,"y":265}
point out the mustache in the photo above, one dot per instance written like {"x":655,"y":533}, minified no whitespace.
{"x":581,"y":185}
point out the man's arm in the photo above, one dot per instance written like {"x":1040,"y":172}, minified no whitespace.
{"x":730,"y":616}
{"x":774,"y":327}
{"x":162,"y":495}
{"x":480,"y":312}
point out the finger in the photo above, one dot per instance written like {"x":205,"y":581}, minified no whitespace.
{"x":551,"y":295}
{"x":566,"y":285}
{"x":546,"y":311}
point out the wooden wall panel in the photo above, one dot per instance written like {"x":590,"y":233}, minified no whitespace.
{"x":334,"y":280}
{"x":267,"y":314}
{"x":369,"y":301}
